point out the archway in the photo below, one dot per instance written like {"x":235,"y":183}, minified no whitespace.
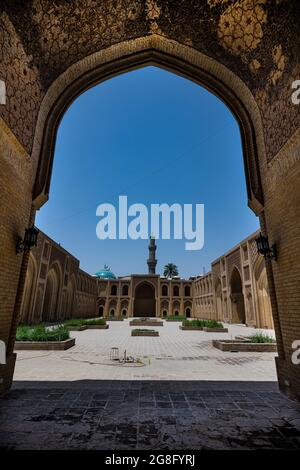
{"x":144,"y":301}
{"x":262,"y":300}
{"x":70,"y":298}
{"x":238,"y":314}
{"x":129,"y":34}
{"x":218,"y":294}
{"x":52,"y":294}
{"x":28,"y":296}
{"x":100,"y":311}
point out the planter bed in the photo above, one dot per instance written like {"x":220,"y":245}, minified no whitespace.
{"x":173,"y":319}
{"x":243,"y":346}
{"x":44,"y":345}
{"x":146,"y":323}
{"x":96,"y":327}
{"x":115,"y":319}
{"x":76,"y":328}
{"x":215,"y":330}
{"x":144,"y":333}
{"x":199,"y":328}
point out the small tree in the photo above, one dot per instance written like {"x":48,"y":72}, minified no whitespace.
{"x":170,"y":270}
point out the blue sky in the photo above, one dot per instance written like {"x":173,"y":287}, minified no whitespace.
{"x":156,"y":138}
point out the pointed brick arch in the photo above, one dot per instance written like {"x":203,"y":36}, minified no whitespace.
{"x":164,"y":53}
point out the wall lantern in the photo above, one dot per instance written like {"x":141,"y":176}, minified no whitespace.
{"x":30,"y":239}
{"x":264,"y":248}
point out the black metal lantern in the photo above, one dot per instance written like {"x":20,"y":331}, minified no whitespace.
{"x":30,"y":239}
{"x":264,"y":248}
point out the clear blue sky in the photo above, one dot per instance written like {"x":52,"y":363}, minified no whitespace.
{"x":156,"y":138}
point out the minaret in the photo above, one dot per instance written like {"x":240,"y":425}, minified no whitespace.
{"x":152,"y":260}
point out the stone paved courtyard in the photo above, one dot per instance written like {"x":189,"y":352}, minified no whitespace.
{"x":175,"y":355}
{"x":190,"y":396}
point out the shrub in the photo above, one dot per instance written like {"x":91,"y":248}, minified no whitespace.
{"x":176,"y":317}
{"x":261,"y":338}
{"x":141,"y":330}
{"x":41,"y":333}
{"x":202,"y":323}
{"x":73,"y":322}
{"x":213,"y":324}
{"x":85,"y":321}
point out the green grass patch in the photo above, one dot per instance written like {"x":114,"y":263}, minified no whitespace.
{"x":261,"y":338}
{"x":84,"y":321}
{"x":42,"y":334}
{"x":202,"y":323}
{"x":73,"y":322}
{"x":176,"y":317}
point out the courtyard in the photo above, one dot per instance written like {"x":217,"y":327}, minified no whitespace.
{"x":184,"y":394}
{"x":174,"y":355}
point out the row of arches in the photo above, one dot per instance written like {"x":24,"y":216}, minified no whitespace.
{"x":175,"y":291}
{"x":113,"y":309}
{"x":48,"y":301}
{"x":203,"y":286}
{"x":114,"y":289}
{"x":246,"y":303}
{"x":165,"y":290}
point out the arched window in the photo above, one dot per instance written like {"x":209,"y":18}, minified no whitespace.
{"x":188,"y":312}
{"x":164,"y":290}
{"x":112,"y":312}
{"x":187,"y":291}
{"x":125,"y":290}
{"x":176,"y":313}
{"x":175,"y":291}
{"x":113,"y":290}
{"x":124,"y":312}
{"x":165,"y":313}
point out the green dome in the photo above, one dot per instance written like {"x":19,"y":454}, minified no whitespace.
{"x":105,"y":273}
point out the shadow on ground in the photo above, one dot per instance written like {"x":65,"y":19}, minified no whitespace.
{"x":152,"y":415}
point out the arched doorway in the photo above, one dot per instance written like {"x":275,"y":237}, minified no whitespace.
{"x":262,"y":302}
{"x":238,"y":314}
{"x":144,"y":301}
{"x":100,"y":311}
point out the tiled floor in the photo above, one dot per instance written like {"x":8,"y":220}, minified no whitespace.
{"x":175,"y":355}
{"x":148,"y":415}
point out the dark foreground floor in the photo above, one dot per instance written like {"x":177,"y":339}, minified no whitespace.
{"x":148,"y":415}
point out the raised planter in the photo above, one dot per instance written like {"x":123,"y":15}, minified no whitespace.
{"x":140,"y":322}
{"x":243,"y":346}
{"x":96,"y":327}
{"x":173,"y":319}
{"x":144,"y":333}
{"x":115,"y":319}
{"x":199,"y":328}
{"x":215,"y":330}
{"x":76,"y":328}
{"x":44,"y":345}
